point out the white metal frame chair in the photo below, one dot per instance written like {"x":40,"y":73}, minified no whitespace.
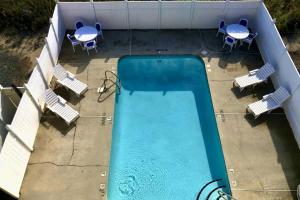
{"x":269,"y":102}
{"x":59,"y":106}
{"x":254,"y":77}
{"x":244,"y":22}
{"x":249,"y":39}
{"x":230,"y":41}
{"x":73,"y":41}
{"x":98,"y":26}
{"x":90,"y":45}
{"x":68,"y":80}
{"x":222,"y":29}
{"x":78,"y":24}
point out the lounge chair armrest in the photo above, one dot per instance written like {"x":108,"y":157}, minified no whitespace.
{"x":252,"y":72}
{"x":266,"y":96}
{"x":62,"y":100}
{"x":71,"y":75}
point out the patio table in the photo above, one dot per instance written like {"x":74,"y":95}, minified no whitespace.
{"x":86,"y":33}
{"x":237,"y":31}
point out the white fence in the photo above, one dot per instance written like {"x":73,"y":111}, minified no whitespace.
{"x":8,"y":105}
{"x":157,"y":14}
{"x":274,"y":51}
{"x":19,"y":141}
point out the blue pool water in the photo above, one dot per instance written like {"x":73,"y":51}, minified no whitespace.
{"x":165,"y":143}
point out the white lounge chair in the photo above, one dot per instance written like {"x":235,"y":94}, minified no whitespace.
{"x":59,"y":106}
{"x":269,"y":102}
{"x":68,"y":80}
{"x":254,"y":77}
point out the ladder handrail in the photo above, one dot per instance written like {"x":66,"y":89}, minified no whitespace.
{"x":115,"y":75}
{"x":203,"y":187}
{"x":222,"y":194}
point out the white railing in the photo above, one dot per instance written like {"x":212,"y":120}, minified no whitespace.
{"x":22,"y":131}
{"x":158,"y":14}
{"x":274,"y":51}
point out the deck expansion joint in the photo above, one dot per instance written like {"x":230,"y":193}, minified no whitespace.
{"x":66,"y":165}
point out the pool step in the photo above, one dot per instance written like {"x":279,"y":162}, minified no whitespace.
{"x":211,"y":190}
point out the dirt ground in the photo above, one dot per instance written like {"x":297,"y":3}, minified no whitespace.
{"x":17,"y":55}
{"x":293,"y":42}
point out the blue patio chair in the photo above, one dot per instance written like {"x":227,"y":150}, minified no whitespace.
{"x":73,"y":41}
{"x":244,"y":22}
{"x":222,"y":28}
{"x":230,"y":42}
{"x":90,"y":45}
{"x":78,"y":24}
{"x":249,"y":39}
{"x":99,"y":30}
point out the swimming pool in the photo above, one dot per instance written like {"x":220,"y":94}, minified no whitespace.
{"x":165,"y":143}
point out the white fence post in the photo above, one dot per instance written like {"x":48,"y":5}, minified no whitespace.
{"x":128,"y":17}
{"x":49,"y":51}
{"x":41,"y":72}
{"x":227,"y":2}
{"x":92,"y":2}
{"x":192,"y":13}
{"x":9,"y":128}
{"x":36,"y":104}
{"x":54,"y":31}
{"x":159,"y":13}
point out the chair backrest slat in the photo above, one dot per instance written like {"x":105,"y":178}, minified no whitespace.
{"x":265,"y":71}
{"x":50,"y":97}
{"x":280,"y":95}
{"x":59,"y":72}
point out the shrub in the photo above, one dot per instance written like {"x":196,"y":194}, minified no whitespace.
{"x":29,"y":15}
{"x":286,"y":12}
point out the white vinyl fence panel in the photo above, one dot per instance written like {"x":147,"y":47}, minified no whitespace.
{"x":20,"y":139}
{"x":273,"y":50}
{"x":13,"y":162}
{"x":112,"y":15}
{"x":157,"y":14}
{"x":150,"y":12}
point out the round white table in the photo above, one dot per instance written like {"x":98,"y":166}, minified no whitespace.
{"x":237,"y":31}
{"x":86,"y":33}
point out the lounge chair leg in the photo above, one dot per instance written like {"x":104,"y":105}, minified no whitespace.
{"x":96,"y":50}
{"x":217,"y":34}
{"x":73,"y":48}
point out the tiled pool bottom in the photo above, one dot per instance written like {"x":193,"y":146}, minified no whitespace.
{"x":165,"y":141}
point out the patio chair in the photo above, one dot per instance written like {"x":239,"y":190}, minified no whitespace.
{"x":249,"y":39}
{"x":243,"y":22}
{"x":254,"y":77}
{"x":68,"y":80}
{"x":222,"y":29}
{"x":269,"y":102}
{"x":73,"y":41}
{"x":78,"y":24}
{"x":99,"y":29}
{"x":230,"y":42}
{"x":59,"y":106}
{"x":90,"y":45}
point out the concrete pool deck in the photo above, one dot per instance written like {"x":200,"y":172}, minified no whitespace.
{"x":261,"y":156}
